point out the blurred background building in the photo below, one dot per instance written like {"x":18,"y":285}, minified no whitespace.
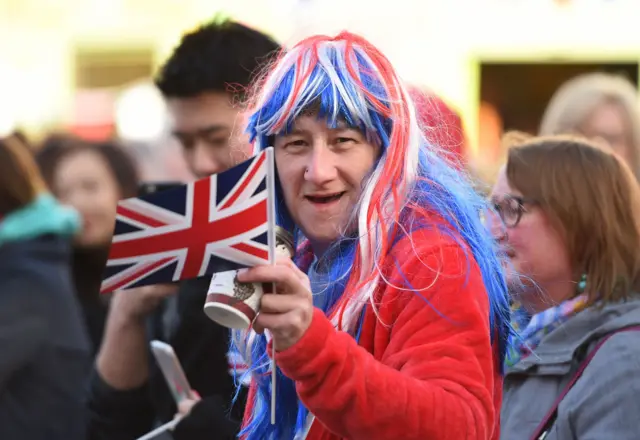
{"x":86,"y":65}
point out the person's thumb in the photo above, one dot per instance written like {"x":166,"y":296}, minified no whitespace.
{"x":186,"y":406}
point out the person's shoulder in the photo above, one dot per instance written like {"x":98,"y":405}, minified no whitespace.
{"x":431,"y":273}
{"x":426,"y":258}
{"x":623,"y":345}
{"x":615,"y":356}
{"x":433,"y":239}
{"x":42,"y":264}
{"x":606,"y":395}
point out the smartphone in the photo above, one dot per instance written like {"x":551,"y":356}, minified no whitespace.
{"x":146,"y":188}
{"x":172,"y":370}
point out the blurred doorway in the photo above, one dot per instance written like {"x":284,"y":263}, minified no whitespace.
{"x":514,"y":95}
{"x":519,"y":92}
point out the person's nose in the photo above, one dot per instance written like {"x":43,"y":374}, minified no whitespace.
{"x":80,"y":199}
{"x":496,"y":226}
{"x":321,"y":166}
{"x":204,"y":161}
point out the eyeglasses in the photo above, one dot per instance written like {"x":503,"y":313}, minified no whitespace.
{"x":510,"y":209}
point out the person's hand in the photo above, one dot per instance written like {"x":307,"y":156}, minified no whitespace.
{"x":287,"y":313}
{"x":184,"y":408}
{"x":137,"y":303}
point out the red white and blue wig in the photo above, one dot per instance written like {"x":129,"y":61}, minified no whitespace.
{"x":346,"y":79}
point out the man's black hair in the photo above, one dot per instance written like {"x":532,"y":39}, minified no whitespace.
{"x":221,"y":56}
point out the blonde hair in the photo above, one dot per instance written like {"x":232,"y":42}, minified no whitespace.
{"x":577,"y":98}
{"x":591,"y":198}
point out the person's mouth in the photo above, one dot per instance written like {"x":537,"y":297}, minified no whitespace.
{"x":324,"y":199}
{"x":506,"y":250}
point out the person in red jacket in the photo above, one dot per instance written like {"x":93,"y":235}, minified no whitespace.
{"x":392,"y":323}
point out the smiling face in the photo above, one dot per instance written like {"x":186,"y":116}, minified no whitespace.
{"x":84,"y":181}
{"x":322,"y":170}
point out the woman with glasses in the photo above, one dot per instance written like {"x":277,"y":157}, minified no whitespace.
{"x":566,"y":214}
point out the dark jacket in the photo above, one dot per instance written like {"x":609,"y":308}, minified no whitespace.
{"x":44,"y":359}
{"x":87,"y":268}
{"x":201,"y":345}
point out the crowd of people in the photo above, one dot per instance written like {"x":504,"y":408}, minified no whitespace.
{"x":416,"y":306}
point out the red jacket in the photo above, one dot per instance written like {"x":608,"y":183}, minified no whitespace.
{"x":422,"y":370}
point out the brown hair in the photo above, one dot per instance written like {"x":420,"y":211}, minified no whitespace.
{"x":592,"y":199}
{"x":20,"y":179}
{"x":117,"y":159}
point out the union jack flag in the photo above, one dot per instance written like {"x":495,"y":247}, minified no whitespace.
{"x":215,"y":224}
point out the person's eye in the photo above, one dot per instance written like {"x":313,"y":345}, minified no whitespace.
{"x":187,"y":143}
{"x":218,"y":142}
{"x":344,"y":140}
{"x":294,"y":145}
{"x":90,"y":186}
{"x":511,"y":208}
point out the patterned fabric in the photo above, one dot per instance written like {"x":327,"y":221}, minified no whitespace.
{"x":530,"y":330}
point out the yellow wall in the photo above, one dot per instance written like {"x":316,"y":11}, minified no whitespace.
{"x":436,"y":43}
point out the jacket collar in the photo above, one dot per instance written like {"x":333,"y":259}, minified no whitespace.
{"x":559,"y":347}
{"x":41,"y":217}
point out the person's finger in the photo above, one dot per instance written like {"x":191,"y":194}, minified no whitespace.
{"x":276,"y":323}
{"x":257,"y":327}
{"x":284,"y":261}
{"x":271,"y":303}
{"x":186,"y":405}
{"x":285,"y":278}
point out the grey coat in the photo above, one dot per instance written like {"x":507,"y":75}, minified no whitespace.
{"x":604,"y":404}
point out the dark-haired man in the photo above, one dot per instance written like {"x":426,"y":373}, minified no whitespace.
{"x":202,"y":82}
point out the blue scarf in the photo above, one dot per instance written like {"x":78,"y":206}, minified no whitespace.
{"x":42,"y":216}
{"x":530,"y":330}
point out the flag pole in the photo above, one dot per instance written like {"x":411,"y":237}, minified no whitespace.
{"x":169,"y":426}
{"x":271,"y":213}
{"x":273,"y":373}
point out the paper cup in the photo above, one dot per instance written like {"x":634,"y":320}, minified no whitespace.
{"x":233,"y":304}
{"x":230,"y":303}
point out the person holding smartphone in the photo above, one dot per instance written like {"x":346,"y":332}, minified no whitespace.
{"x":128,"y":394}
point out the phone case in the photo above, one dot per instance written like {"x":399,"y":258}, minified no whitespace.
{"x":172,"y":370}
